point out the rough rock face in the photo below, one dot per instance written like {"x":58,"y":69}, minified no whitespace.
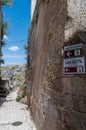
{"x":57,"y":101}
{"x":77,"y":10}
{"x":76,"y":21}
{"x":46,"y":41}
{"x":74,"y":89}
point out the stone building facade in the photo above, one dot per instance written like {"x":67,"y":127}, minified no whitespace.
{"x":33,"y":4}
{"x":57,"y":101}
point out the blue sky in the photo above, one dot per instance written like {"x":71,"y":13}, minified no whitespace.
{"x":18,"y":18}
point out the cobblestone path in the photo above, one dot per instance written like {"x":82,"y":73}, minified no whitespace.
{"x":14,"y":115}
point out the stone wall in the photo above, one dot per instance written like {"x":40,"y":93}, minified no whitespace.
{"x":74,"y":89}
{"x":57,"y":101}
{"x":76,"y":20}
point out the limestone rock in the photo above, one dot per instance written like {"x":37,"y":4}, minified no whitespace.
{"x":76,"y":20}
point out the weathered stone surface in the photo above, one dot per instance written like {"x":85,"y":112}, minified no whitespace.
{"x":76,"y":21}
{"x":46,"y":41}
{"x":57,"y":101}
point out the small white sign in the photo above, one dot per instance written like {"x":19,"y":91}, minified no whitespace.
{"x":74,"y":62}
{"x":79,"y":69}
{"x":77,"y":53}
{"x":74,"y":65}
{"x":73,"y":47}
{"x":70,"y":62}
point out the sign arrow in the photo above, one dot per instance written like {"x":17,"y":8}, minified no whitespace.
{"x":68,"y":53}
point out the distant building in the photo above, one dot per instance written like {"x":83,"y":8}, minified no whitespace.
{"x":4,"y":84}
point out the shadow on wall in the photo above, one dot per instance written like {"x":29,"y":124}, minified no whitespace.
{"x":78,"y":37}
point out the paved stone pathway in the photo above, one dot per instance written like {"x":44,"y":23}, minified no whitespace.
{"x":14,"y":115}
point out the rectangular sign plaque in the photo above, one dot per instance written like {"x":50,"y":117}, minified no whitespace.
{"x":74,"y":62}
{"x":74,"y":65}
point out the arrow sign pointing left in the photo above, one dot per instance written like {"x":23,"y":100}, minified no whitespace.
{"x":69,"y":53}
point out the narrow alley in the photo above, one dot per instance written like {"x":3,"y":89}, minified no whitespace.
{"x":14,"y":115}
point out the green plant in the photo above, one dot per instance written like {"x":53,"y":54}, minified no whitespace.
{"x":7,"y":92}
{"x":18,"y":98}
{"x":49,"y":35}
{"x":3,"y":28}
{"x":35,"y":17}
{"x":7,"y":2}
{"x":24,"y":91}
{"x":47,"y":1}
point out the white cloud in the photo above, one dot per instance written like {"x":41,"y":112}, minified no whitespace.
{"x":5,"y":37}
{"x":14,"y":48}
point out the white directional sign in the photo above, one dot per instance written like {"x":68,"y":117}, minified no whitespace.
{"x":74,"y":62}
{"x":69,"y":53}
{"x":72,"y":47}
